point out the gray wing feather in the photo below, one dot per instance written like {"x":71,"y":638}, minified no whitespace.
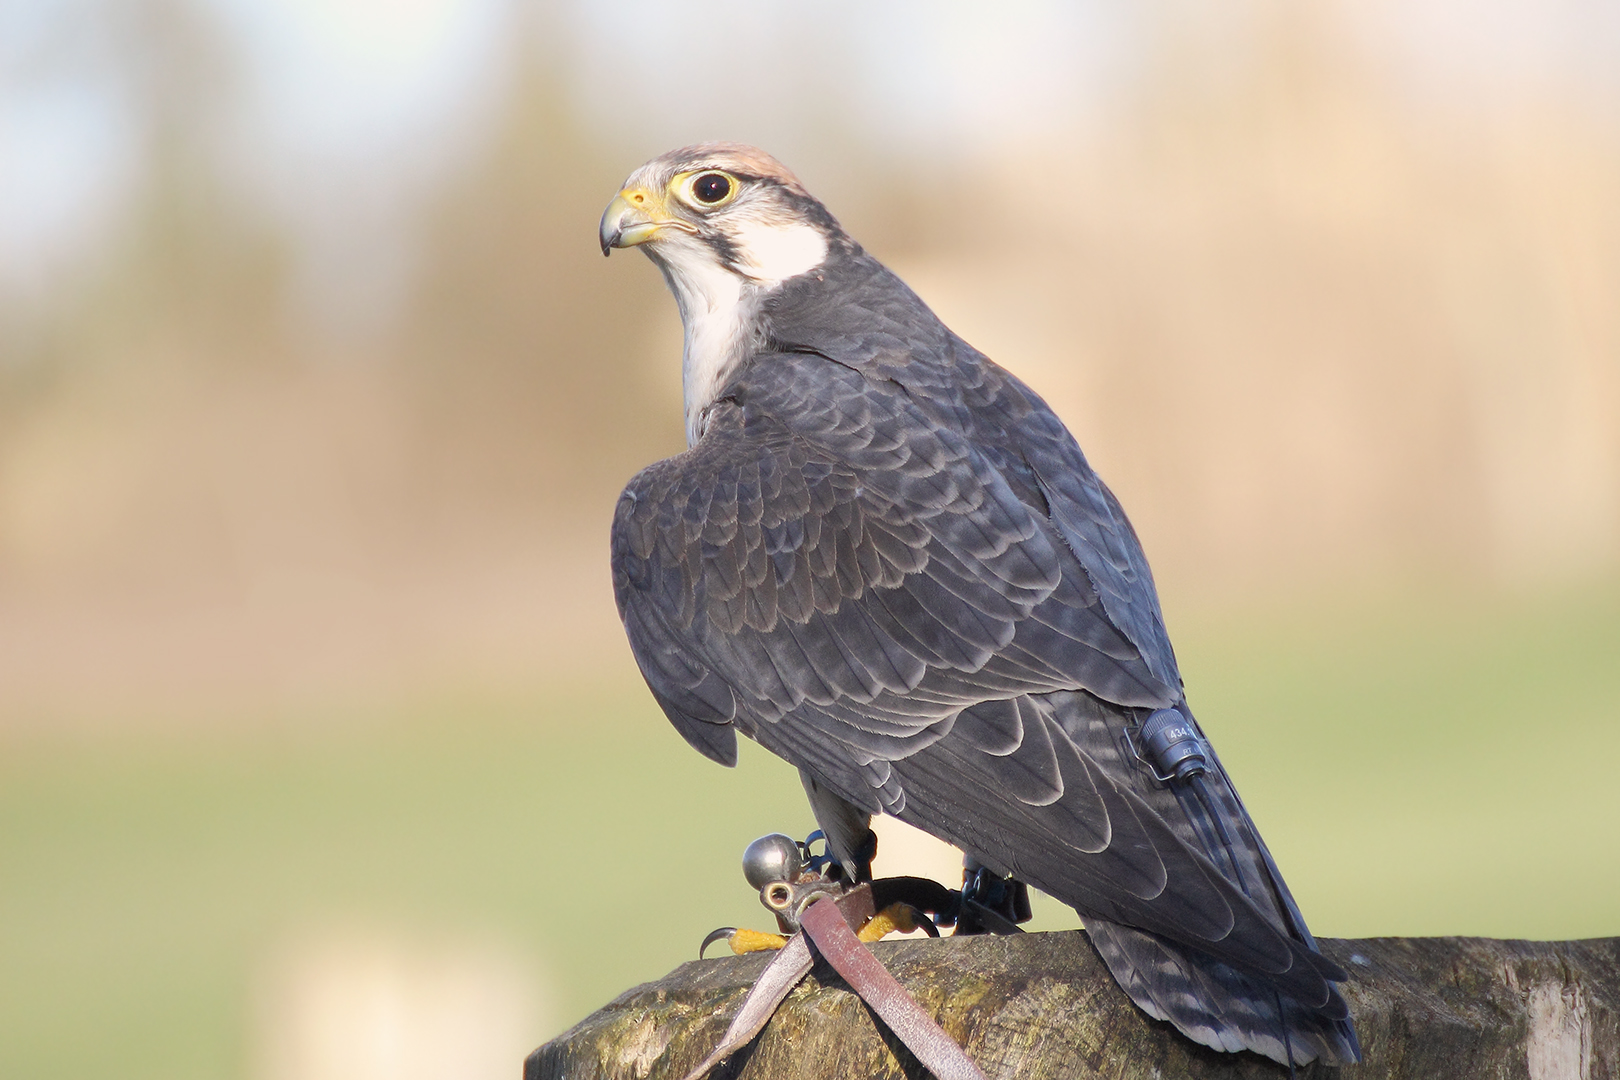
{"x":888,"y":562}
{"x":861,"y":589}
{"x":1035,"y":444}
{"x":890,"y":334}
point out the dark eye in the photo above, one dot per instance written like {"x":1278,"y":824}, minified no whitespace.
{"x":711,"y":187}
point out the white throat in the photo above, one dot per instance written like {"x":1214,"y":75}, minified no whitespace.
{"x":718,"y":313}
{"x":720,"y":307}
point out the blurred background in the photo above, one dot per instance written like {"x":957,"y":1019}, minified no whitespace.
{"x":321,"y":753}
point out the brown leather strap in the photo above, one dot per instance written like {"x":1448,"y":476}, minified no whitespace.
{"x":781,"y":975}
{"x":867,"y":976}
{"x":831,"y":924}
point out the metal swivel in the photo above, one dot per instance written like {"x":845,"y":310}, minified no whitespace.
{"x":773,"y":857}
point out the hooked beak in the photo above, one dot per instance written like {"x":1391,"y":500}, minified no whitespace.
{"x":633,"y":217}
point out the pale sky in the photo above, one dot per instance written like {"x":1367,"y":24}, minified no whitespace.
{"x":340,"y":117}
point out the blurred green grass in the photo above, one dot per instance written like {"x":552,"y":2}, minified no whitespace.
{"x":145,"y":879}
{"x":1434,"y":768}
{"x":1446,"y":768}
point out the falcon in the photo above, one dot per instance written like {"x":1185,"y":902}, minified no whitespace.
{"x":886,"y":560}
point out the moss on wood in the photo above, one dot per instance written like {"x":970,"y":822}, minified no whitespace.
{"x":1039,"y":1006}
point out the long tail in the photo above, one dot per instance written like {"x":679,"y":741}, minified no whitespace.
{"x":1215,"y":1004}
{"x":1210,"y":1001}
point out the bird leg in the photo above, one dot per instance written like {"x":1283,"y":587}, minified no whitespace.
{"x":744,"y":941}
{"x":991,"y":904}
{"x":897,"y":918}
{"x":789,"y":878}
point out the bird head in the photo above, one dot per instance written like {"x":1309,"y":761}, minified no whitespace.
{"x":728,"y":225}
{"x":720,"y":207}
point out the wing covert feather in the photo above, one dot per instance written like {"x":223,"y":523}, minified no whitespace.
{"x":895,"y":609}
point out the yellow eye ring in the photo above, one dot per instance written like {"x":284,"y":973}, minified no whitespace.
{"x":708,"y":189}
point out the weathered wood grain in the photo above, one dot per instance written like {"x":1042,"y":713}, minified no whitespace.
{"x":1039,"y":1006}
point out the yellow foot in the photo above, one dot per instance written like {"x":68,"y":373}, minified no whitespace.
{"x":747,"y":941}
{"x":894,"y":919}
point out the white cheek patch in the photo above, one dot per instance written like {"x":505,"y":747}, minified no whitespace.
{"x":774,"y":253}
{"x":720,"y":305}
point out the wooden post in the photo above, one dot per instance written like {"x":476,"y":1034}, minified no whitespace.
{"x":1038,"y":1006}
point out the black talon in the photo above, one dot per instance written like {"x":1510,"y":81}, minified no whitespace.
{"x":923,"y":922}
{"x":714,"y":936}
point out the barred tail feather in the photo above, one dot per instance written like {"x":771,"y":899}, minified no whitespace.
{"x":1217,"y":1005}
